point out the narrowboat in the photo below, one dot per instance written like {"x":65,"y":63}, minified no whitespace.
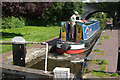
{"x":85,"y":33}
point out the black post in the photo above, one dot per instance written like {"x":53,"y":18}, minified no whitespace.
{"x":118,"y":63}
{"x":19,"y":51}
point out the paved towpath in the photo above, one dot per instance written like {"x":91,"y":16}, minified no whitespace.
{"x":110,"y":48}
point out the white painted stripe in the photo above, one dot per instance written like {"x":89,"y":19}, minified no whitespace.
{"x":78,"y":46}
{"x":81,"y":46}
{"x":78,"y":61}
{"x":92,"y":34}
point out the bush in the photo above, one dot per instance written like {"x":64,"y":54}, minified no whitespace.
{"x":33,"y":22}
{"x":40,"y":22}
{"x":12,"y":22}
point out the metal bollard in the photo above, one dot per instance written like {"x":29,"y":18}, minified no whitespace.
{"x":19,"y":51}
{"x":118,"y":63}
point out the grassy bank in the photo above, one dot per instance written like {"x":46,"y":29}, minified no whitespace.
{"x":29,"y":33}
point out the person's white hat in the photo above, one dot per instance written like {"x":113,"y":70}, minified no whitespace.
{"x":76,"y":12}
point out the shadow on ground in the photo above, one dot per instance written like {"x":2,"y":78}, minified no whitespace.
{"x":9,"y":35}
{"x":52,"y":42}
{"x":109,"y":27}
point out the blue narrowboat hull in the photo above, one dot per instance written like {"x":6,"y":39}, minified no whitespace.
{"x":90,"y":33}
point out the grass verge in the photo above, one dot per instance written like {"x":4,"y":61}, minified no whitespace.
{"x":29,"y":33}
{"x":103,"y":74}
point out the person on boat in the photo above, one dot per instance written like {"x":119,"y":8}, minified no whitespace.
{"x":73,"y":18}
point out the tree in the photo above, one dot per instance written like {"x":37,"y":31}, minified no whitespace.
{"x":62,"y":11}
{"x":42,"y":12}
{"x":24,"y":9}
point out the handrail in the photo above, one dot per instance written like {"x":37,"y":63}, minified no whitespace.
{"x":44,"y":43}
{"x":46,"y":57}
{"x":10,"y":42}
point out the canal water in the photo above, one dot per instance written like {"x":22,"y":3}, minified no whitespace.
{"x":58,"y":63}
{"x":64,"y":61}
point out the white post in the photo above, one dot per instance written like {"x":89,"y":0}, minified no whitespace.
{"x":46,"y":58}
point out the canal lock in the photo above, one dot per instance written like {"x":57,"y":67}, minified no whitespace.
{"x":63,"y":61}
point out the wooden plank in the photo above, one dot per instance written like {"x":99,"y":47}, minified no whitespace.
{"x":78,"y":31}
{"x":63,"y":31}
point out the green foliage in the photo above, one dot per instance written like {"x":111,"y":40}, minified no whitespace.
{"x":108,"y":6}
{"x":62,"y":11}
{"x":34,"y":22}
{"x":86,"y":71}
{"x":45,"y":14}
{"x":102,"y":38}
{"x":54,"y":12}
{"x":107,"y":74}
{"x":103,"y":67}
{"x":114,"y":74}
{"x":29,"y":33}
{"x":99,"y":61}
{"x":104,"y":62}
{"x":102,"y":74}
{"x":103,"y":25}
{"x":101,"y":53}
{"x":0,"y":23}
{"x":25,"y":9}
{"x":99,"y":50}
{"x":99,"y":43}
{"x":98,"y":73}
{"x":12,"y":22}
{"x":106,"y":37}
{"x":96,"y":61}
{"x":102,"y":17}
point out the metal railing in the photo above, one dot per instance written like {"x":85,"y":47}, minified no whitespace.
{"x":27,"y":42}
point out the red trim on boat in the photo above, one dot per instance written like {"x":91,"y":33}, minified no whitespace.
{"x":70,"y":51}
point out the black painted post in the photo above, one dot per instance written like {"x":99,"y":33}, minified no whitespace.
{"x":118,"y":63}
{"x":19,"y":51}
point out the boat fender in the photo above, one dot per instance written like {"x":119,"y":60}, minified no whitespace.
{"x":69,"y":47}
